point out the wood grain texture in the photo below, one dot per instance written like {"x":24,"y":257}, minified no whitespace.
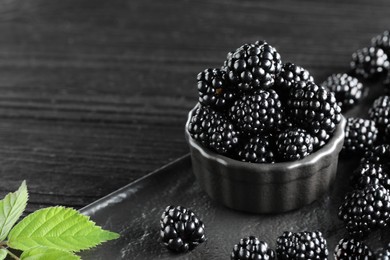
{"x":94,"y":94}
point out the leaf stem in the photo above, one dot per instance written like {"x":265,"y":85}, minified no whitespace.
{"x":12,"y":254}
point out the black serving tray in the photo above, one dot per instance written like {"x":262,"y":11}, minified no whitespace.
{"x":134,"y":211}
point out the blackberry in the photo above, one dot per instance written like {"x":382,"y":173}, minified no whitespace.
{"x":383,"y":253}
{"x":213,"y":130}
{"x":258,"y":149}
{"x":382,"y":41}
{"x":288,"y":77}
{"x":348,"y":90}
{"x":352,"y":249}
{"x":181,"y":229}
{"x":301,"y":245}
{"x":379,"y":154}
{"x":252,"y":248}
{"x":386,"y":83}
{"x":360,"y":135}
{"x":370,"y":174}
{"x":214,"y":90}
{"x":369,"y":62}
{"x":258,"y":112}
{"x":294,"y":144}
{"x":253,"y":66}
{"x":387,"y":134}
{"x":380,"y":111}
{"x":315,"y":109}
{"x":365,"y":210}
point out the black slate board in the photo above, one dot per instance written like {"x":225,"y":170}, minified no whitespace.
{"x":134,"y":211}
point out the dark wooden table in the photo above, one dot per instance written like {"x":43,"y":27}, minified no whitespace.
{"x":94,"y":94}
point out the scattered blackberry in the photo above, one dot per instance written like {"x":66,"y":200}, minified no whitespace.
{"x":214,"y":89}
{"x":288,"y":77}
{"x":258,"y":112}
{"x":348,"y":90}
{"x":369,"y":62}
{"x":352,"y":249}
{"x":252,"y":248}
{"x":213,"y":130}
{"x":258,"y":149}
{"x":181,"y":230}
{"x":370,"y":174}
{"x":380,"y":111}
{"x":379,"y":154}
{"x":253,"y":66}
{"x":382,"y":41}
{"x":294,"y":144}
{"x":383,"y":253}
{"x":302,"y":245}
{"x":365,"y":210}
{"x":315,"y":109}
{"x":360,"y":135}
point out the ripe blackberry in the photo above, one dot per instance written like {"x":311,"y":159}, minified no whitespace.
{"x":379,"y":154}
{"x":253,"y":66}
{"x":383,"y":253}
{"x":213,"y":88}
{"x":365,"y":210}
{"x":258,"y":149}
{"x":380,"y":112}
{"x":369,"y":62}
{"x":360,"y":135}
{"x":315,"y":109}
{"x":387,"y":133}
{"x":382,"y":41}
{"x":348,"y":90}
{"x":181,"y":229}
{"x":370,"y":174}
{"x":213,"y":130}
{"x":352,"y":249}
{"x":294,"y":144}
{"x":288,"y":77}
{"x":258,"y":112}
{"x":301,"y":245}
{"x":386,"y":83}
{"x":252,"y":248}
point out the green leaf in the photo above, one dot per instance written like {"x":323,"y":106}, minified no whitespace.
{"x":11,"y":208}
{"x":45,"y":253}
{"x":58,"y":227}
{"x":3,"y":254}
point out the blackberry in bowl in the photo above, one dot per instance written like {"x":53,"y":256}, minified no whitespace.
{"x":264,"y":153}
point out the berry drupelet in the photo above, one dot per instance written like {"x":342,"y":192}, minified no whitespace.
{"x":380,"y":112}
{"x":352,"y":249}
{"x":382,"y":41}
{"x":214,"y":89}
{"x":301,"y":245}
{"x":315,"y":109}
{"x":258,"y":149}
{"x":258,"y":112}
{"x":369,"y":62}
{"x":253,"y":66}
{"x":348,"y":90}
{"x":379,"y":154}
{"x":360,"y":135}
{"x":294,"y":144}
{"x":288,"y":77}
{"x":181,"y":229}
{"x":213,"y":130}
{"x":365,"y":210}
{"x":370,"y":174}
{"x":252,"y":248}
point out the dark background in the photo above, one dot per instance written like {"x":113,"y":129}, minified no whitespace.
{"x":94,"y":94}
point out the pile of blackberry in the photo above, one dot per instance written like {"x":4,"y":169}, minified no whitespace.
{"x":254,"y":96}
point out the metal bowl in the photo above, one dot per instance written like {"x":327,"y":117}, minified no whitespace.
{"x":266,"y":188}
